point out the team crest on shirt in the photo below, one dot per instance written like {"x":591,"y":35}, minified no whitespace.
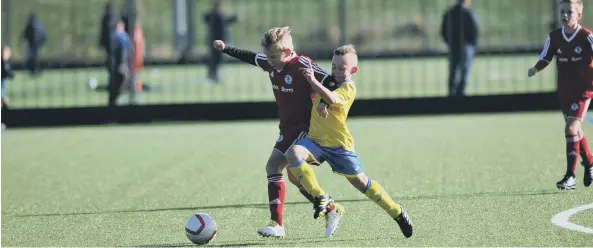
{"x":574,"y":107}
{"x":578,"y":50}
{"x":559,"y":51}
{"x":288,"y":79}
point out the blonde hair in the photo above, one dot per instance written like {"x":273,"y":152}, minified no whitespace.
{"x":579,"y":4}
{"x":277,"y":38}
{"x":345,"y":49}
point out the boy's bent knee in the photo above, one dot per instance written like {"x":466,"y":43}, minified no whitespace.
{"x":276,"y":163}
{"x":359,"y":181}
{"x":573,"y":126}
{"x":295,"y":154}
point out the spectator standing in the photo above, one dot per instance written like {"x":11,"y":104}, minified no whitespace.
{"x":460,"y":31}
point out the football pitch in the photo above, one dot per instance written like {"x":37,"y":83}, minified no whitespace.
{"x":466,"y":180}
{"x":396,"y":78}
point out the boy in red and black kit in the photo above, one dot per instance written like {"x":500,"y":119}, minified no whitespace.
{"x":573,"y":46}
{"x":293,"y":97}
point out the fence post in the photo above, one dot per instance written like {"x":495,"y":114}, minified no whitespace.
{"x":7,"y":22}
{"x":342,"y":20}
{"x":130,"y":10}
{"x":180,"y":28}
{"x":191,"y":25}
{"x":556,"y":15}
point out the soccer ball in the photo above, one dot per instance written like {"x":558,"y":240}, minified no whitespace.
{"x":200,"y":229}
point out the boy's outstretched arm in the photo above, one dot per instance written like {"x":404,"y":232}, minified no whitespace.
{"x":238,"y":53}
{"x":545,"y":57}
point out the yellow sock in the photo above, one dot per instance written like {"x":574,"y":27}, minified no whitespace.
{"x":376,"y":193}
{"x":306,"y":176}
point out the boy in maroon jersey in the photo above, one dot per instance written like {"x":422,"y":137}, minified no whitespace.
{"x":573,"y":46}
{"x":293,"y":96}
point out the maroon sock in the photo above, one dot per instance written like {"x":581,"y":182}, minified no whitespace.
{"x":276,"y":196}
{"x":572,"y":154}
{"x":585,"y":151}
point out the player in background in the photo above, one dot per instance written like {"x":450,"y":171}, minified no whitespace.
{"x":573,"y":46}
{"x":293,"y":97}
{"x":330,"y":140}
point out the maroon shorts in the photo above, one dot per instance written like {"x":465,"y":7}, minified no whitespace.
{"x":575,"y":108}
{"x":289,"y":136}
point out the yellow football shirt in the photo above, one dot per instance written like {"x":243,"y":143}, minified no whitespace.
{"x":332,"y":131}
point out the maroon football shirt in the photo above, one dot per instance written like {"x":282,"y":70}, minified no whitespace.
{"x":291,"y":90}
{"x":574,"y":61}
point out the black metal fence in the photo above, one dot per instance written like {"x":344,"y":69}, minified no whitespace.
{"x":404,"y":34}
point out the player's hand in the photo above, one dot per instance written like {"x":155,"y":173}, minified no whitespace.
{"x":531,"y":72}
{"x":219,"y":45}
{"x":322,"y":109}
{"x":308,"y":71}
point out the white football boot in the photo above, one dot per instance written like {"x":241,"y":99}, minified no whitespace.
{"x":568,"y":182}
{"x":332,"y":219}
{"x":273,"y":229}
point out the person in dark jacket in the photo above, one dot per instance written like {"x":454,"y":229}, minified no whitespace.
{"x":34,"y":35}
{"x":217,"y":30}
{"x":120,"y":70}
{"x":7,"y":73}
{"x":460,"y":31}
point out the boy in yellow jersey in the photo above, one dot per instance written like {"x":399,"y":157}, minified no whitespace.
{"x":329,"y":140}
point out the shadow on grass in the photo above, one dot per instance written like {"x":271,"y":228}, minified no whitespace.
{"x":265,"y":242}
{"x":209,"y":245}
{"x":265,"y":205}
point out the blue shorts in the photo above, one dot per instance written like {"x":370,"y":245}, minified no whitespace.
{"x":340,"y":160}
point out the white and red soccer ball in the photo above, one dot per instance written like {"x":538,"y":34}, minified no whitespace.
{"x":200,"y":229}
